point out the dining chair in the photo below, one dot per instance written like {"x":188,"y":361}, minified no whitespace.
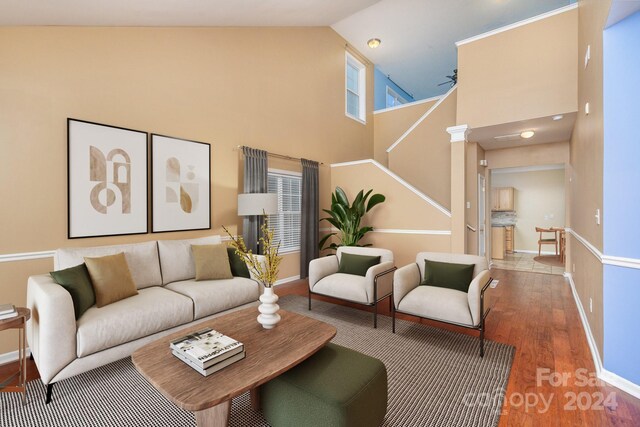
{"x":545,"y":240}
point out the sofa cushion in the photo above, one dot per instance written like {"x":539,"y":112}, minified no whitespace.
{"x":238,"y":266}
{"x":447,"y":275}
{"x":142,"y":259}
{"x":77,"y":282}
{"x":212,"y":262}
{"x":437,"y":303}
{"x":345,"y":286}
{"x":153,"y":310}
{"x":111,"y":278}
{"x":176,"y":258}
{"x":357,"y":264}
{"x":213,"y":296}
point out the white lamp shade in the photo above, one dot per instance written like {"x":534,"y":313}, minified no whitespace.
{"x":257,"y":204}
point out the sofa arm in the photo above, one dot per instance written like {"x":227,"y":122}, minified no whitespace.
{"x":379,"y":280}
{"x":51,"y":331}
{"x":405,"y":279}
{"x":322,"y":267}
{"x":475,"y":294}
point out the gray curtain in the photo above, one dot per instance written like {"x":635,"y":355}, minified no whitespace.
{"x":309,"y":227}
{"x":255,"y":181}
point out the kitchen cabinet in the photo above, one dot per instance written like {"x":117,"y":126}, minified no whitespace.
{"x":502,"y":199}
{"x":509,"y":239}
{"x":497,"y":242}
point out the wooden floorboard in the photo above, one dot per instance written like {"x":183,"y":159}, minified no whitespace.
{"x":536,"y":314}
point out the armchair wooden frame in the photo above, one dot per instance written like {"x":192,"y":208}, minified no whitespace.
{"x":479,"y":327}
{"x":376,"y":298}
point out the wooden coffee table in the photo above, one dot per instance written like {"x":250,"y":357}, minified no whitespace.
{"x":269,"y":352}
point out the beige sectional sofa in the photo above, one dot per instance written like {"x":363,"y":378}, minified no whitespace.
{"x":168,"y":299}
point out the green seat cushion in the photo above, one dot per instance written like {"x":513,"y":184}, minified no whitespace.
{"x":77,"y":282}
{"x":238,"y":266}
{"x":336,"y":386}
{"x":357,"y":264}
{"x":448,"y":275}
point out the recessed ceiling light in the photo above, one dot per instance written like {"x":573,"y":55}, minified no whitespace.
{"x":373,"y":43}
{"x":527,"y":134}
{"x":558,"y":117}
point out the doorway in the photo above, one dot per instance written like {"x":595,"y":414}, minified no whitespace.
{"x":482,"y":198}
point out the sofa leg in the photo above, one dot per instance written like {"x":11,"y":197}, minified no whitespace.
{"x":309,"y":299}
{"x":482,"y":338}
{"x":49,"y":391}
{"x":393,"y":318}
{"x":375,"y":315}
{"x":30,"y":355}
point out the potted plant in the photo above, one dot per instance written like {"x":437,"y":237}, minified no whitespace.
{"x":263,"y":268}
{"x":346,"y":217}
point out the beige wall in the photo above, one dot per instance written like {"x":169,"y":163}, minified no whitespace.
{"x":423,"y":158}
{"x":402,"y":210}
{"x":587,"y":165}
{"x":389,"y":125}
{"x":523,"y":73}
{"x":539,"y":202}
{"x":532,"y":155}
{"x":277,"y":89}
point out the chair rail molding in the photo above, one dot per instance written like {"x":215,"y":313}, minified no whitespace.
{"x":25,"y":256}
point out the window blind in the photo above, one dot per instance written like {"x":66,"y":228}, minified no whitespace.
{"x":286,"y":223}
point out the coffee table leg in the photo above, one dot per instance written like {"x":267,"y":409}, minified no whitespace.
{"x":216,"y":416}
{"x":255,"y":398}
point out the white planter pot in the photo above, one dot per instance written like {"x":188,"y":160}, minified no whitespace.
{"x":268,"y":309}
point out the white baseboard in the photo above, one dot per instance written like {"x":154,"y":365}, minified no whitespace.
{"x":534,"y":252}
{"x":12,"y":356}
{"x":287,"y":280}
{"x":607,"y":376}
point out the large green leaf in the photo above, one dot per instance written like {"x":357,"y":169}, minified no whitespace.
{"x":340,"y":212}
{"x":374,"y":200}
{"x":324,"y":240}
{"x":341,"y":197}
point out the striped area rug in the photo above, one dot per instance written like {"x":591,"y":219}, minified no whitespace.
{"x":436,"y":378}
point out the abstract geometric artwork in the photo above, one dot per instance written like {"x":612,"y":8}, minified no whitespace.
{"x":181,"y":184}
{"x":107,"y":179}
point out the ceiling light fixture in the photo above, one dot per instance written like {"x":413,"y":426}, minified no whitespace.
{"x":558,"y":117}
{"x":527,"y":134}
{"x":373,"y":43}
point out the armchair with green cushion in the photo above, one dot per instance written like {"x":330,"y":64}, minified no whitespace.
{"x":355,"y":274}
{"x":440,"y":294}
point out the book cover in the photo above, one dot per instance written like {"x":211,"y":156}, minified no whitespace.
{"x":7,"y":308}
{"x":8,"y":315}
{"x":207,"y":347}
{"x":212,"y":369}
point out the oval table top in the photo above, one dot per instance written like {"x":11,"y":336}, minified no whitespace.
{"x":24,"y":314}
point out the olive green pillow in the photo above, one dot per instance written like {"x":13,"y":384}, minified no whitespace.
{"x":212,"y":262}
{"x":111,"y":278}
{"x":238,"y":266}
{"x":77,"y":282}
{"x":357,"y":264}
{"x":448,"y":275}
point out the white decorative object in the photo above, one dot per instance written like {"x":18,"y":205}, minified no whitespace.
{"x":268,"y":308}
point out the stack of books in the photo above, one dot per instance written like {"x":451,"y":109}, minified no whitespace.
{"x":7,"y":311}
{"x":207,"y":351}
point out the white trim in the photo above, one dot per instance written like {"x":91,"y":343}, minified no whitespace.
{"x":458,"y":133}
{"x":605,"y":375}
{"x":11,"y":356}
{"x":287,"y":280}
{"x":26,"y":256}
{"x":362,"y":88}
{"x":518,"y":24}
{"x":586,"y":244}
{"x":408,"y":104}
{"x":621,"y":383}
{"x":534,"y":252}
{"x":420,"y":120}
{"x":621,"y":261}
{"x":528,"y":169}
{"x":400,"y":180}
{"x":595,"y":354}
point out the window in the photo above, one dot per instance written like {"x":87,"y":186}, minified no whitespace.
{"x":286,"y":223}
{"x":393,"y":99}
{"x":355,"y":77}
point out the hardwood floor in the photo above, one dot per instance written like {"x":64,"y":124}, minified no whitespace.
{"x":552,"y":380}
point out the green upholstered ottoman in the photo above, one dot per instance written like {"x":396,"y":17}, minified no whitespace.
{"x":336,"y":386}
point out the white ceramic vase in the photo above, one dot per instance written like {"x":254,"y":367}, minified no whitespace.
{"x":268,"y":309}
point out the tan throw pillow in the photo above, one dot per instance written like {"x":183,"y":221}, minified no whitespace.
{"x":212,"y":262}
{"x":111,"y":278}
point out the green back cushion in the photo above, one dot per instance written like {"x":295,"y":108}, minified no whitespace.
{"x":448,"y":275}
{"x":77,"y":282}
{"x":238,"y":266}
{"x":357,"y":264}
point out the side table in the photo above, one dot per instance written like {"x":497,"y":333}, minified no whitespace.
{"x":18,"y":322}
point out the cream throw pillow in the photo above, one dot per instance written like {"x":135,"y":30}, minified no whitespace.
{"x":111,"y":278}
{"x":212,"y":262}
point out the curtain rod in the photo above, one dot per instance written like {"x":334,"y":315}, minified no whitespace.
{"x":279,"y":156}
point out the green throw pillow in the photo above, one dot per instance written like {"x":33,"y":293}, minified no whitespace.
{"x":357,"y":264}
{"x":77,"y":282}
{"x":238,"y":266}
{"x":448,"y":275}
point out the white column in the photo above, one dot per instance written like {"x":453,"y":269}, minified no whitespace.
{"x":458,"y":188}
